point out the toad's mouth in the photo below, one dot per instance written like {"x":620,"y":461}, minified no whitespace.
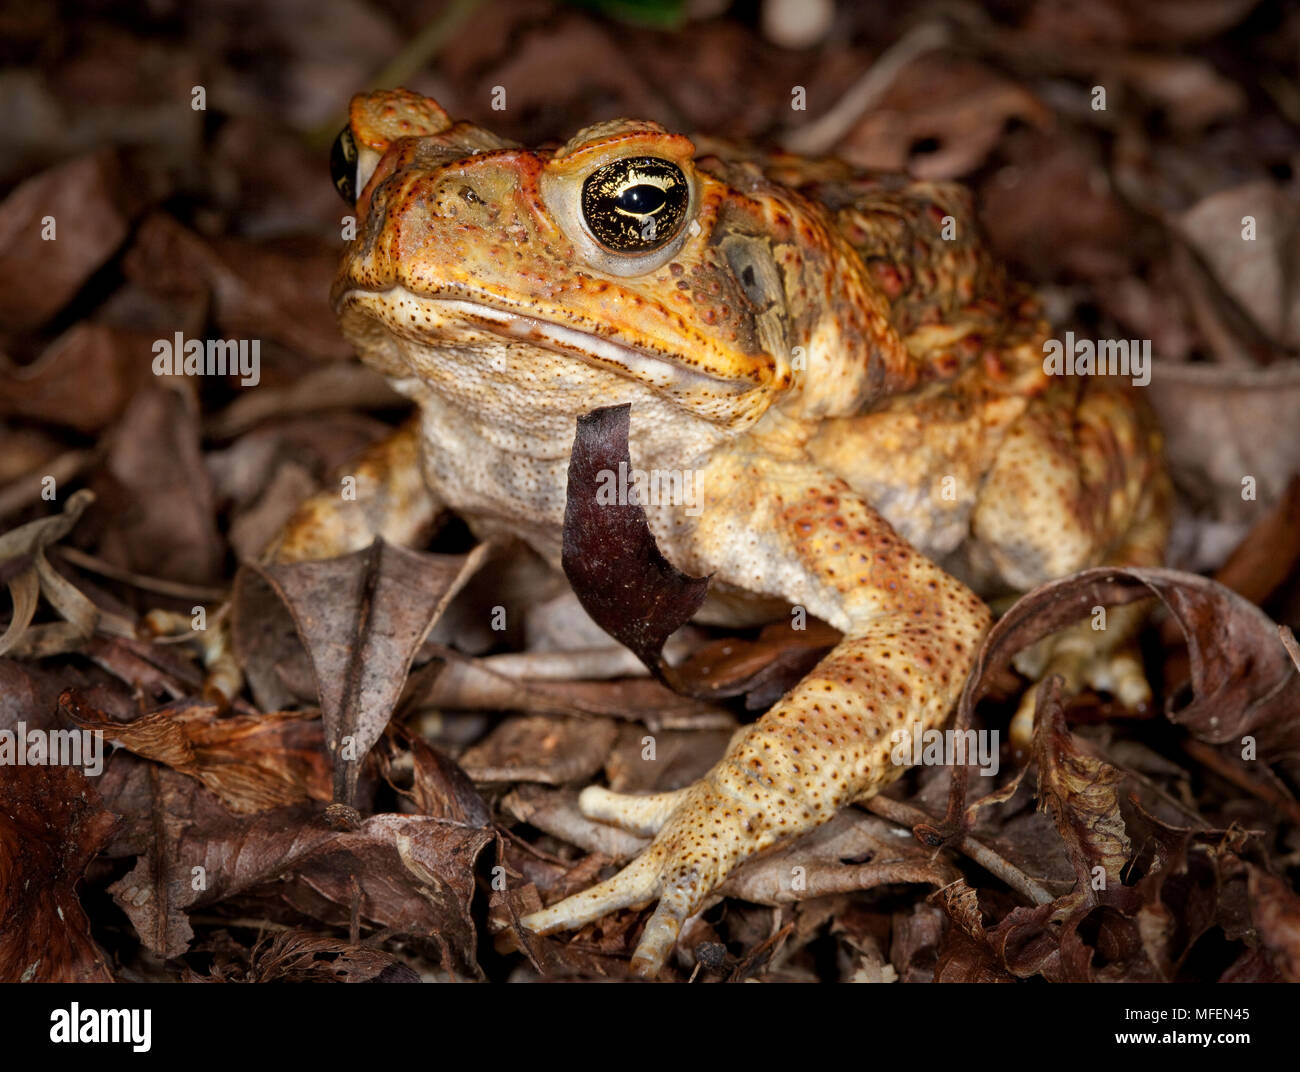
{"x":422,"y":319}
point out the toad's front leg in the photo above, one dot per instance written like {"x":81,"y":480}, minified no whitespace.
{"x":910,"y":637}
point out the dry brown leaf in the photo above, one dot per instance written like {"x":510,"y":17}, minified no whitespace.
{"x":361,"y":618}
{"x":764,"y":669}
{"x":1269,"y":554}
{"x":1242,"y":680}
{"x":1082,"y":794}
{"x":296,"y":956}
{"x":1020,"y":205}
{"x":269,"y":291}
{"x":440,"y":788}
{"x":1275,"y":908}
{"x":55,"y":230}
{"x":1257,"y":271}
{"x":851,"y":852}
{"x":1212,"y":419}
{"x":28,"y":574}
{"x":82,"y":380}
{"x":252,"y":762}
{"x":52,"y":823}
{"x":157,"y":511}
{"x":552,"y":751}
{"x":414,"y":874}
{"x":940,"y":119}
{"x":610,"y":555}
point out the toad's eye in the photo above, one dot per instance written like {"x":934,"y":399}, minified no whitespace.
{"x":343,"y":165}
{"x":636,"y":204}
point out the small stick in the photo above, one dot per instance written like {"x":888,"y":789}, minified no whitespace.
{"x":820,"y":136}
{"x":907,"y":816}
{"x":1289,"y":642}
{"x":197,"y":592}
{"x":1209,"y":756}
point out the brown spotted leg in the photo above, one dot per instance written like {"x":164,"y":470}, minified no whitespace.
{"x":910,"y":637}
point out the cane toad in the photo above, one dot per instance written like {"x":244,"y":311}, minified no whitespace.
{"x":857,"y":386}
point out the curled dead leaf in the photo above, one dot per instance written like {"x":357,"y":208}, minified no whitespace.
{"x":414,"y":874}
{"x":252,"y":762}
{"x":361,"y":618}
{"x":1243,"y":683}
{"x":610,"y":556}
{"x":29,"y":575}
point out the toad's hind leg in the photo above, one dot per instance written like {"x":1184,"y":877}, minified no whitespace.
{"x":1077,"y":482}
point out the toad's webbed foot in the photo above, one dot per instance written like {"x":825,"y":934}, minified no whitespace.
{"x":704,"y":832}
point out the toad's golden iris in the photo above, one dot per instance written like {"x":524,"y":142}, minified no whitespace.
{"x":635,"y":204}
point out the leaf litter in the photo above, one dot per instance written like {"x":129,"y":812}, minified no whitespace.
{"x":1130,"y":845}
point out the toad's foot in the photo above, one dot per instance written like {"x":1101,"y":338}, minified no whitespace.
{"x":643,"y":815}
{"x":705,"y":832}
{"x":1106,"y":660}
{"x":223,"y":679}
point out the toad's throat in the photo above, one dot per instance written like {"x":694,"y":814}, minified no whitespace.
{"x":406,"y":313}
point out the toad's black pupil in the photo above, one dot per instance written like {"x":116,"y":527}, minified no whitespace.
{"x":641,"y":199}
{"x":636,"y":204}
